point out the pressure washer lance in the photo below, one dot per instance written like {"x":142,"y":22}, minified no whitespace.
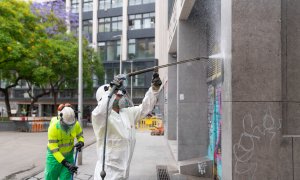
{"x":155,"y":68}
{"x":76,"y":154}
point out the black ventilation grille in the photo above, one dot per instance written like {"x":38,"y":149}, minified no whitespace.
{"x":162,"y":173}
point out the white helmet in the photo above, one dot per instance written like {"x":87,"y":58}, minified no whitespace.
{"x":68,"y":116}
{"x":101,"y":91}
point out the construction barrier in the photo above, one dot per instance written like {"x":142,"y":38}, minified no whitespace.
{"x":148,"y":123}
{"x":38,"y":126}
{"x":31,"y":124}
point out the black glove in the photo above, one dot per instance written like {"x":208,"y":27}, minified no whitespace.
{"x":71,"y":167}
{"x":118,"y":81}
{"x":79,"y":145}
{"x":156,"y":82}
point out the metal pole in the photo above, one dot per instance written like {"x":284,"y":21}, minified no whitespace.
{"x":80,"y":110}
{"x":131,"y":81}
{"x":120,"y":51}
{"x":121,"y":54}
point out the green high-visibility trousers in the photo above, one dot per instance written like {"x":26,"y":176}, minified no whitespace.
{"x":55,"y":170}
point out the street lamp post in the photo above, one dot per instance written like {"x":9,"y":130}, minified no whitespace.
{"x":120,"y":51}
{"x":131,"y":64}
{"x":80,"y":90}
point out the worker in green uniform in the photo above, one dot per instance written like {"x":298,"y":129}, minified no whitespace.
{"x":60,"y":149}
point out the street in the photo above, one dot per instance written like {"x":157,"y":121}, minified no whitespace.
{"x":23,"y":153}
{"x":24,"y":156}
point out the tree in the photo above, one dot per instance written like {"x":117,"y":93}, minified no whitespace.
{"x":57,"y":58}
{"x":34,"y":47}
{"x":19,"y":31}
{"x":58,"y":64}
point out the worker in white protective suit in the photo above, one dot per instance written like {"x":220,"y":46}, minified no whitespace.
{"x":122,"y":117}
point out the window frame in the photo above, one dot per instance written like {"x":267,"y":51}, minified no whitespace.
{"x":74,"y":6}
{"x":139,"y":2}
{"x":136,"y":43}
{"x":141,"y":17}
{"x":109,"y":4}
{"x":108,"y":22}
{"x":87,"y":5}
{"x":116,"y":47}
{"x":89,"y":25}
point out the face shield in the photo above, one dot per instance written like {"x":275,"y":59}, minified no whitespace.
{"x":122,"y":100}
{"x":125,"y":102}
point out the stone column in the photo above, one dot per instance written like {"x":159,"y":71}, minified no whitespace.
{"x":192,"y":88}
{"x":252,"y":143}
{"x":172,"y":101}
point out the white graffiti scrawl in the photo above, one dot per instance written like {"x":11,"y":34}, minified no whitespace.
{"x":243,"y":150}
{"x":202,"y":167}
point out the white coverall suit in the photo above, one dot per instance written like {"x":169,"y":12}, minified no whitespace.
{"x":120,"y":134}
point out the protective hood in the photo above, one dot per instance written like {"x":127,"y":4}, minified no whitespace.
{"x":101,"y":91}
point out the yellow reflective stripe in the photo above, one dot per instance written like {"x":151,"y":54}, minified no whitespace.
{"x":53,"y":141}
{"x":65,"y":145}
{"x":54,"y":150}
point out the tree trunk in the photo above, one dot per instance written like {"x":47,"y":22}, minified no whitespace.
{"x":6,"y":98}
{"x":55,"y":93}
{"x":32,"y":104}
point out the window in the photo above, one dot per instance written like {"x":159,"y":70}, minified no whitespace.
{"x":116,"y":3}
{"x":102,"y":50}
{"x":141,"y":48}
{"x":87,"y":26}
{"x":107,"y":4}
{"x":131,"y":49}
{"x":74,"y":6}
{"x":87,"y":5}
{"x":110,"y":73}
{"x":135,"y":2}
{"x":110,"y":50}
{"x":141,"y":21}
{"x":116,"y":23}
{"x":67,"y":94}
{"x":148,"y":20}
{"x":138,"y":2}
{"x":137,"y":80}
{"x":104,"y":25}
{"x":110,"y":24}
{"x":20,"y":93}
{"x":21,"y":84}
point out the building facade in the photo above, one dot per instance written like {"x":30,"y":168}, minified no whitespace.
{"x":120,"y":31}
{"x":234,"y":115}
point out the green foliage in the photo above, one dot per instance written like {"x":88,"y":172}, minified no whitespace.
{"x":46,"y":60}
{"x":19,"y":32}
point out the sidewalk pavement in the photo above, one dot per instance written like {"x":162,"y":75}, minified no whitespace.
{"x":150,"y":152}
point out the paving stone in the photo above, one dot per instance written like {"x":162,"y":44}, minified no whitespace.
{"x":40,"y":175}
{"x":82,"y":176}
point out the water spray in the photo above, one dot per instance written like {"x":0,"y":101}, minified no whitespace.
{"x":216,"y":56}
{"x":155,"y":68}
